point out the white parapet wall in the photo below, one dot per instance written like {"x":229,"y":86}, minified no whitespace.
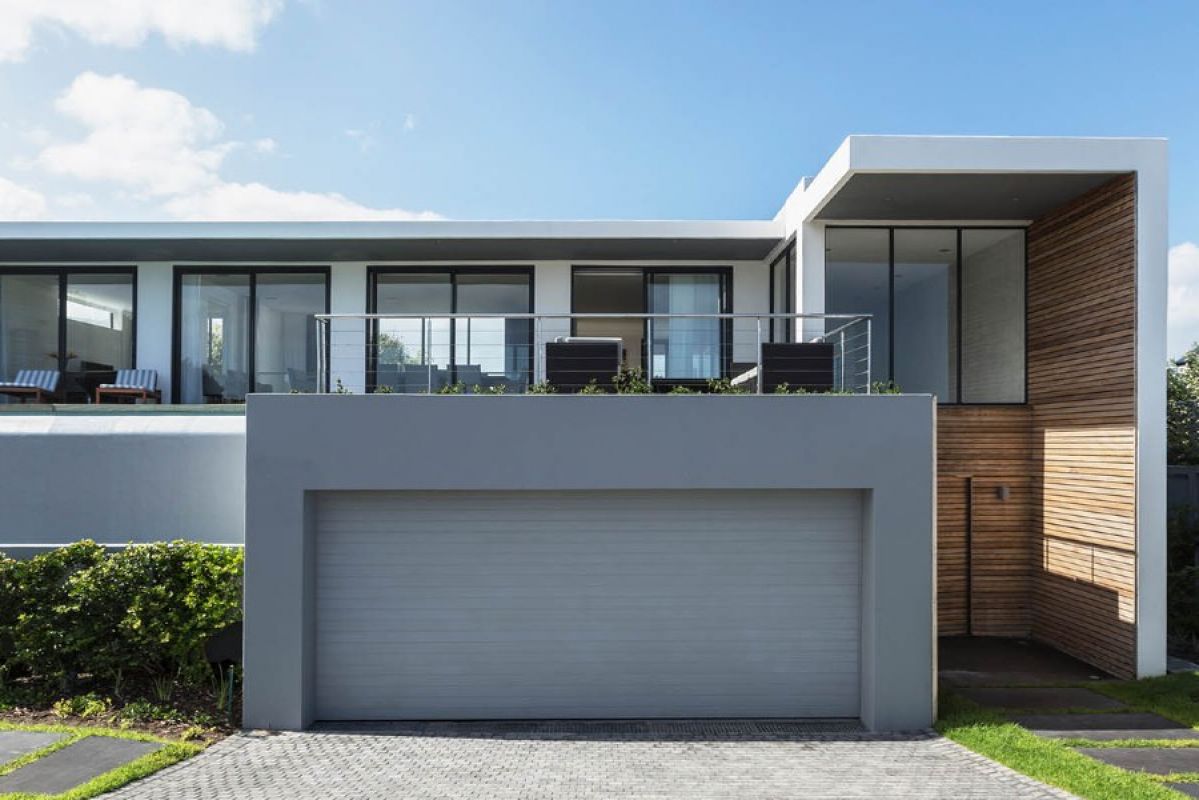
{"x":120,"y":477}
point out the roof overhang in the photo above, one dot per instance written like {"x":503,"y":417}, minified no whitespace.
{"x":948,"y":178}
{"x":388,"y":241}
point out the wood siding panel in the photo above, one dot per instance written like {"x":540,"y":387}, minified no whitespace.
{"x":985,"y":588}
{"x":1081,"y":389}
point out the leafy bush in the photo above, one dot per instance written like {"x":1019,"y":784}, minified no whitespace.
{"x":84,"y":705}
{"x":631,"y":381}
{"x":725,"y":386}
{"x":142,"y":612}
{"x":681,"y":389}
{"x":541,"y":387}
{"x":591,"y":388}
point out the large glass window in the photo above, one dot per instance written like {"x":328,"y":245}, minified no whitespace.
{"x":247,"y":331}
{"x":925,"y":315}
{"x":416,"y":355}
{"x":683,"y":349}
{"x":687,"y":348}
{"x":79,"y":322}
{"x":782,"y":293}
{"x":857,"y":280}
{"x":993,"y":316}
{"x":948,"y":306}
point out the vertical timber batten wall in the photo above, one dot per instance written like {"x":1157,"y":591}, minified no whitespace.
{"x":984,"y":543}
{"x":1082,"y":390}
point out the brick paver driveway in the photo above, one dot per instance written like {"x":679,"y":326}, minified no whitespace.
{"x":587,"y":760}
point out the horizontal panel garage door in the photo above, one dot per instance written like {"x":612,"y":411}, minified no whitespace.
{"x":542,"y":605}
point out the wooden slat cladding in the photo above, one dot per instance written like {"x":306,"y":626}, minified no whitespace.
{"x":1082,"y":390}
{"x":985,"y":589}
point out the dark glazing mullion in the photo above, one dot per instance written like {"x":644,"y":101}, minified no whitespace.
{"x":62,"y":321}
{"x":959,"y":342}
{"x":252,"y":335}
{"x":890,"y":304}
{"x":453,"y":357}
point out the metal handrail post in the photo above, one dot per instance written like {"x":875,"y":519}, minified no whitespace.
{"x":843,"y":361}
{"x":761,"y":378}
{"x":428,"y":354}
{"x":321,"y":386}
{"x":869,"y":364}
{"x":649,"y":353}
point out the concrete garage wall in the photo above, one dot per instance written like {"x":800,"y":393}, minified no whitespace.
{"x":117,"y":478}
{"x":298,"y":445}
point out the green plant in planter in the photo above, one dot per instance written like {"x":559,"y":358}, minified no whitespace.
{"x":631,"y":381}
{"x":384,"y":389}
{"x":680,"y":389}
{"x":497,"y":389}
{"x":885,"y":387}
{"x":725,"y":386}
{"x":542,"y":387}
{"x":340,"y":388}
{"x":591,"y":388}
{"x":453,"y":388}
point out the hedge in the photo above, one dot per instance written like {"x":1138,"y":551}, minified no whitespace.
{"x":141,"y":613}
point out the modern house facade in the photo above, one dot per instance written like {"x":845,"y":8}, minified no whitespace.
{"x":1014,"y":289}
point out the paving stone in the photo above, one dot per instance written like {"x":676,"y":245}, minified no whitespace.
{"x":701,"y":760}
{"x":78,"y":763}
{"x":1041,"y":698}
{"x":1159,"y":761}
{"x":14,"y":744}
{"x":1105,"y":727}
{"x":1189,"y":789}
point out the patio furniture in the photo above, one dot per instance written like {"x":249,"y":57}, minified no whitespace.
{"x":575,"y":361}
{"x":131,"y":385}
{"x":40,"y":384}
{"x":800,"y":365}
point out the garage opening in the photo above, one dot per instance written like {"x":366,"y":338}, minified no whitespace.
{"x":587,"y":605}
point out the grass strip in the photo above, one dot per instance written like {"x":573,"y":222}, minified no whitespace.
{"x":166,"y":755}
{"x":1048,"y":760}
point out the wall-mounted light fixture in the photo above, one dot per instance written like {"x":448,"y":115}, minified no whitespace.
{"x":1003,"y":492}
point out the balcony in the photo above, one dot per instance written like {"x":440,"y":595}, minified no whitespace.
{"x":593,"y":353}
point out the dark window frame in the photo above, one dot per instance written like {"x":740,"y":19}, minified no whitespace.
{"x":958,"y":267}
{"x":63,"y":274}
{"x":453,"y":271}
{"x":647,"y":272}
{"x":788,"y":258}
{"x":252,"y":272}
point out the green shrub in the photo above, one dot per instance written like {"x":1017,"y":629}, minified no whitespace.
{"x":680,"y":389}
{"x":542,"y":387}
{"x":725,"y":386}
{"x":142,"y":612}
{"x":591,"y":388}
{"x":84,"y":705}
{"x":453,"y":388}
{"x":631,"y":381}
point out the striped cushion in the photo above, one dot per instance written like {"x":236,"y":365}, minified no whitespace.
{"x":44,"y":379}
{"x":134,"y":379}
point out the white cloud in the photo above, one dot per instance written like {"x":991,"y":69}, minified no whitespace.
{"x":233,"y":24}
{"x":159,"y":147}
{"x":1183,"y":313}
{"x":20,"y":203}
{"x":410,"y":122}
{"x":149,"y":139}
{"x":256,"y":202}
{"x":365,"y":139}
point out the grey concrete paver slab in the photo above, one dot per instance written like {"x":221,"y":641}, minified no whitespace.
{"x":75,"y":764}
{"x":1041,"y":697}
{"x":1105,"y":727}
{"x":586,"y":762}
{"x":14,"y":744}
{"x":1157,"y":760}
{"x":1189,"y":789}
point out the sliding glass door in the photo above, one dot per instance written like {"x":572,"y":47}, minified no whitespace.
{"x":240,"y":331}
{"x":430,"y":350}
{"x":79,"y":322}
{"x":683,"y":349}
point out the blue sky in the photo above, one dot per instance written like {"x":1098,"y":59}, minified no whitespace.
{"x":164,"y":109}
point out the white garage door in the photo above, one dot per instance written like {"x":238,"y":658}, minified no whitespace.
{"x":544,"y":605}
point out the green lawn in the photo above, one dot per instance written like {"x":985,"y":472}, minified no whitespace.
{"x":170,"y":753}
{"x":1055,"y":762}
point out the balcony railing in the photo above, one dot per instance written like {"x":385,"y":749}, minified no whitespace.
{"x":515,"y":353}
